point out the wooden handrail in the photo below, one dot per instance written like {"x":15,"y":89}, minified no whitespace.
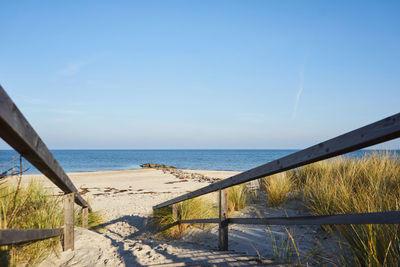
{"x":385,"y":217}
{"x":18,"y":236}
{"x":375,"y":133}
{"x":19,"y":134}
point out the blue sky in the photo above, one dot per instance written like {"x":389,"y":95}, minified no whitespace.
{"x":200,"y":74}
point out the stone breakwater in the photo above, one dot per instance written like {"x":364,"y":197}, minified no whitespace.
{"x":156,"y":166}
{"x":181,"y":174}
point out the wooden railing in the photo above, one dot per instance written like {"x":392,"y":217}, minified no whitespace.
{"x":375,"y":133}
{"x":19,"y":134}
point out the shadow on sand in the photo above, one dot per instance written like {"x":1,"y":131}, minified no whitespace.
{"x":174,"y":252}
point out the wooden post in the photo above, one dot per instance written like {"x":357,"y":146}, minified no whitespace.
{"x":175,"y":211}
{"x":68,"y":238}
{"x":223,"y":223}
{"x":85,"y":217}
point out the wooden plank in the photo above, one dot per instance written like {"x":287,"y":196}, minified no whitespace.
{"x":85,"y":217}
{"x":18,"y":236}
{"x":223,"y":222}
{"x":389,"y":217}
{"x":216,"y":220}
{"x":375,"y":133}
{"x":68,"y":238}
{"x":19,"y":134}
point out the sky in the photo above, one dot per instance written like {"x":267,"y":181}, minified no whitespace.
{"x":200,"y":74}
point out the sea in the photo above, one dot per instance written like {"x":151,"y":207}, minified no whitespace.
{"x":215,"y":159}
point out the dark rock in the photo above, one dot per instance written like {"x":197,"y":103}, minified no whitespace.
{"x":156,"y":166}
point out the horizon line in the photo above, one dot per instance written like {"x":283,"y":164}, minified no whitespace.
{"x":2,"y":149}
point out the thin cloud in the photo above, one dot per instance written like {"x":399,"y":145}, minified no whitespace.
{"x":65,"y":111}
{"x":299,"y":92}
{"x":251,"y":117}
{"x":73,"y":68}
{"x":30,"y":99}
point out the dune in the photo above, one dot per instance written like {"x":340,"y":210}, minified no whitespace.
{"x":125,"y":199}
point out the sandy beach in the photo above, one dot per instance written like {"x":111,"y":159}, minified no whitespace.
{"x":125,"y":199}
{"x":126,"y":192}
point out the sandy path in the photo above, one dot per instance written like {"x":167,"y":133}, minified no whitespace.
{"x":125,"y":199}
{"x":128,"y":192}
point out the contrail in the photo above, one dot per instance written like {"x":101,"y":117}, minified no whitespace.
{"x":299,"y":92}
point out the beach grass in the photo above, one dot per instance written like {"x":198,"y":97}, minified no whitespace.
{"x":284,"y":248}
{"x":348,"y":185}
{"x":95,"y":218}
{"x":30,"y":207}
{"x":197,"y":208}
{"x":204,"y":207}
{"x":277,"y":188}
{"x":238,"y":197}
{"x":337,"y":186}
{"x":33,"y":207}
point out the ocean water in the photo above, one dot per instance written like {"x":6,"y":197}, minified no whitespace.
{"x":102,"y":160}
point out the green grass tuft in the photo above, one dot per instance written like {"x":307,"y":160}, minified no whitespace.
{"x":337,"y":186}
{"x":277,"y":188}
{"x":29,"y":208}
{"x":33,"y":207}
{"x":196,"y":208}
{"x":95,"y":218}
{"x":238,"y":197}
{"x":346,"y":185}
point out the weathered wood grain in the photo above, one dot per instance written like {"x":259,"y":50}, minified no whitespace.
{"x":19,"y":134}
{"x":375,"y":133}
{"x":389,"y":217}
{"x":19,"y":236}
{"x":85,"y":217}
{"x":175,"y":211}
{"x":68,"y":237}
{"x":216,"y":220}
{"x":223,"y":220}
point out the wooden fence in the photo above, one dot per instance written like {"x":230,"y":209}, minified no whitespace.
{"x":19,"y":134}
{"x":375,"y":133}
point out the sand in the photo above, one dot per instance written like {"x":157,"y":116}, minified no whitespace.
{"x":125,"y":199}
{"x":126,"y":192}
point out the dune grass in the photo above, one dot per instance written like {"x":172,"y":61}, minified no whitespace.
{"x":197,"y":208}
{"x":346,"y":185}
{"x":27,"y":208}
{"x":336,"y":186}
{"x":203,"y":207}
{"x":238,"y":197}
{"x":277,"y":188}
{"x":284,"y":248}
{"x":95,"y":218}
{"x":33,"y":207}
